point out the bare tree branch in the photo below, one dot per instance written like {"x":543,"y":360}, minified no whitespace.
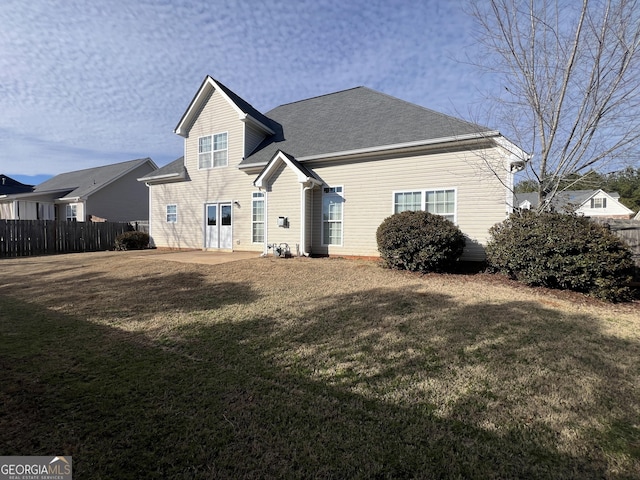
{"x":571,"y":73}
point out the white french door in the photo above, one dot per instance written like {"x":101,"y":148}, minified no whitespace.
{"x":218,"y":226}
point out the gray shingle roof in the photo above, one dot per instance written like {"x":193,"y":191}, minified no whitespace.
{"x":359,"y":118}
{"x":82,"y":183}
{"x":560,"y":200}
{"x":9,"y":186}
{"x":174,"y":168}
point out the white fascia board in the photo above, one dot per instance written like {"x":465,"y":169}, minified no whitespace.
{"x":273,"y":164}
{"x":245,"y":117}
{"x":512,"y":148}
{"x":398,"y":146}
{"x":153,"y":178}
{"x":250,"y":166}
{"x":193,"y":106}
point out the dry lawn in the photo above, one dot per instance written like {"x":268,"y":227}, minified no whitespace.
{"x":270,"y":368}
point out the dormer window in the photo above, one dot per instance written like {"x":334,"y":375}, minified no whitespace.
{"x":212,"y":151}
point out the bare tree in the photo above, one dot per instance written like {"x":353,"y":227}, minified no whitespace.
{"x":571,"y":77}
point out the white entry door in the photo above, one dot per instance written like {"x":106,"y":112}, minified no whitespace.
{"x":218,"y":228}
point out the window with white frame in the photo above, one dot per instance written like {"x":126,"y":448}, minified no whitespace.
{"x":172,"y":213}
{"x":71,"y":212}
{"x":212,"y":151}
{"x":598,"y":203}
{"x":440,"y":202}
{"x":404,"y":201}
{"x":332,"y":215}
{"x":257,"y":217}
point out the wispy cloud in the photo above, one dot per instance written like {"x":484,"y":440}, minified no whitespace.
{"x":85,"y":83}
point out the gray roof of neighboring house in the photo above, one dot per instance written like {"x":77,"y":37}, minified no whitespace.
{"x":83,"y":183}
{"x":359,"y":118}
{"x":561,"y":199}
{"x":9,"y":186}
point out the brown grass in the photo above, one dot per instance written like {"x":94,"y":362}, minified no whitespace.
{"x":302,"y":368}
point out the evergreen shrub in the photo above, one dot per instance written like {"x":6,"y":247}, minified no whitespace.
{"x":419,"y":242}
{"x":563,"y":251}
{"x":132,"y":241}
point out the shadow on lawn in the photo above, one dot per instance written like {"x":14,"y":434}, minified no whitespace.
{"x":341,"y":391}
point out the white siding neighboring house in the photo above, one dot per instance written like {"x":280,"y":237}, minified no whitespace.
{"x":590,"y":203}
{"x":110,"y":192}
{"x":321,"y":174}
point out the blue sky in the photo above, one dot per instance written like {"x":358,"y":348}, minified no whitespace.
{"x":85,"y":83}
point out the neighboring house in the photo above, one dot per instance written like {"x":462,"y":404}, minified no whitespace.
{"x":9,"y":186}
{"x":321,"y":174}
{"x":110,"y":192}
{"x":590,"y":203}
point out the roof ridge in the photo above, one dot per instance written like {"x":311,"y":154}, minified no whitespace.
{"x":103,"y":166}
{"x":322,"y":95}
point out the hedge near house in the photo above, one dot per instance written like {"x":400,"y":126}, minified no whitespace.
{"x":419,"y":242}
{"x":561,"y":251}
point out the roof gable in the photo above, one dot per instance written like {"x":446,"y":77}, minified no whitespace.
{"x":245,"y":111}
{"x":82,"y":183}
{"x":353,"y":120}
{"x":303,"y":174}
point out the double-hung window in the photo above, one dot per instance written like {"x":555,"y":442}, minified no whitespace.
{"x":437,"y":201}
{"x":71,"y":212}
{"x":598,"y":203}
{"x":441,"y":202}
{"x":213,"y":151}
{"x":257,"y":217}
{"x":172,"y":213}
{"x":332,"y":215}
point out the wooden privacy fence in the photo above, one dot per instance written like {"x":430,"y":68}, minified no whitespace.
{"x":629,"y":231}
{"x":20,"y":238}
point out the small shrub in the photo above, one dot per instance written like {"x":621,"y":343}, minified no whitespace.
{"x":561,"y":251}
{"x":419,"y":242}
{"x":132,"y":241}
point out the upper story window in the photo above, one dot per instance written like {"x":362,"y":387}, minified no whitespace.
{"x":598,"y":203}
{"x":212,"y":151}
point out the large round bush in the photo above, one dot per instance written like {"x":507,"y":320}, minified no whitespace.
{"x":419,"y":242}
{"x":561,"y":251}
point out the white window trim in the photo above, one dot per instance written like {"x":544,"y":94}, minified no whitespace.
{"x":423,"y":192}
{"x":264,"y":222}
{"x":166,"y":213}
{"x":74,"y":214}
{"x":213,"y":151}
{"x":340,"y":194}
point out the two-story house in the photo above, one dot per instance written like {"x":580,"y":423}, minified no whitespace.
{"x":321,"y":174}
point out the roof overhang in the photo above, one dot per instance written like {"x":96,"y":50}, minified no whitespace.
{"x":304,"y":176}
{"x":166,"y":178}
{"x":209,"y":85}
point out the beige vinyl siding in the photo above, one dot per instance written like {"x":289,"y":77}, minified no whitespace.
{"x":368,"y":193}
{"x":124,"y":200}
{"x":253,"y":138}
{"x":214,"y":185}
{"x":283,"y":200}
